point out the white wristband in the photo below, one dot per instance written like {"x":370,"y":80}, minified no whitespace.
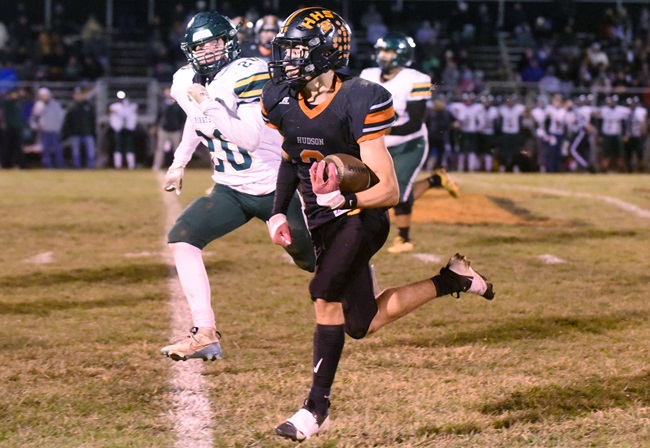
{"x":333,"y":199}
{"x":275,"y":222}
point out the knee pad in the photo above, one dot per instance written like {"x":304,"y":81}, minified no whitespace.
{"x":403,"y":208}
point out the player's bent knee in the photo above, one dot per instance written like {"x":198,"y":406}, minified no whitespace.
{"x":403,"y":208}
{"x":306,"y":262}
{"x":356,"y":333}
{"x":305,"y":265}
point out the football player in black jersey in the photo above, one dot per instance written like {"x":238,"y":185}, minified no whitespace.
{"x":320,"y":112}
{"x":266,"y":28}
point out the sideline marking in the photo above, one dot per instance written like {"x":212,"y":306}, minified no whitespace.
{"x":625,"y":206}
{"x":428,"y":258}
{"x":551,"y":259}
{"x":191,"y":415}
{"x":42,"y":258}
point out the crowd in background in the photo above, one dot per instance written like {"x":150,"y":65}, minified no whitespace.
{"x":560,"y":53}
{"x":560,"y":56}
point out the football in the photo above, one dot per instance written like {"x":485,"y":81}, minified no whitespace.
{"x":354,"y":175}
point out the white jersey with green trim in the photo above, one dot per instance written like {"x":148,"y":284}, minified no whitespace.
{"x":511,"y":118}
{"x":613,"y":118}
{"x":406,"y":86}
{"x":238,"y":86}
{"x":637,"y":122}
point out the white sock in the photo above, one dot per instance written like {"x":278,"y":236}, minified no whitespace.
{"x":488,"y":163}
{"x":117,"y":160}
{"x":195,"y":283}
{"x":130,"y":160}
{"x":473,"y":163}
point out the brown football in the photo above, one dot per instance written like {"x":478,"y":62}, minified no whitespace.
{"x":354,"y":175}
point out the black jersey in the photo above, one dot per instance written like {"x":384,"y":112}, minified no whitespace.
{"x":358,"y":110}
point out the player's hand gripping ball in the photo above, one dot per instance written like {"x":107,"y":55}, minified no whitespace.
{"x":354,"y":175}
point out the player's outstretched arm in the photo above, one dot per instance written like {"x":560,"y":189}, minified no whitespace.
{"x":285,"y":187}
{"x":182,"y":155}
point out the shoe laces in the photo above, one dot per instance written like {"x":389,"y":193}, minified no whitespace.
{"x":193,"y":332}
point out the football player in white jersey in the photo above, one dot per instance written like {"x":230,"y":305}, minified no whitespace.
{"x":538,"y":114}
{"x":636,"y":132}
{"x":614,"y":117}
{"x":407,"y":141}
{"x":471,"y":117}
{"x":581,"y":130}
{"x":221,"y":96}
{"x":487,"y":141}
{"x":556,"y":128}
{"x":511,"y":114}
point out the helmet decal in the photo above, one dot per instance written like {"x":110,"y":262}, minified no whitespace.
{"x":203,"y":34}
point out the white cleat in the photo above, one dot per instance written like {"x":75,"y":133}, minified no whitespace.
{"x":196,"y":345}
{"x":302,"y":425}
{"x":471,"y":281}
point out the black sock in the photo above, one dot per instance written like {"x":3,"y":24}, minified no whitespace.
{"x":434,"y":181}
{"x":449,"y":283}
{"x":404,"y":233}
{"x":328,"y":347}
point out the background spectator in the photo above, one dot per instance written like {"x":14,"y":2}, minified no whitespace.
{"x":170,"y":123}
{"x":79,"y":125}
{"x":11,"y":125}
{"x":47,"y":118}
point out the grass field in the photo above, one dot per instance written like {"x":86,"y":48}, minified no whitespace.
{"x":560,"y":358}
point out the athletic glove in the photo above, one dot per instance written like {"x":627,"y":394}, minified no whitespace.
{"x":173,"y":180}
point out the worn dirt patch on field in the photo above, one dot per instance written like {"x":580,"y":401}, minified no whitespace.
{"x":472,"y":209}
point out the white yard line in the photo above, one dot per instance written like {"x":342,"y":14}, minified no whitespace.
{"x":625,"y":206}
{"x":191,"y":413}
{"x":42,"y":258}
{"x":428,"y":258}
{"x":551,"y":259}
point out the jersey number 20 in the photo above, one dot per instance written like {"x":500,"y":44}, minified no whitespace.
{"x":229,"y":149}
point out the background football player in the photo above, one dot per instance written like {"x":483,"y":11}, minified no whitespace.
{"x":320,"y":112}
{"x":613,"y":118}
{"x":407,"y":139}
{"x":470,"y":116}
{"x":221,"y":96}
{"x":266,"y":28}
{"x":510,"y":121}
{"x":636,"y":132}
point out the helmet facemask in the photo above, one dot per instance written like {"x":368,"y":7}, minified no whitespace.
{"x":386,"y":65}
{"x":306,"y":56}
{"x":207,"y":62}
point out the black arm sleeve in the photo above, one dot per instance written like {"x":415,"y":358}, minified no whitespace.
{"x":416,"y":111}
{"x":285,"y":186}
